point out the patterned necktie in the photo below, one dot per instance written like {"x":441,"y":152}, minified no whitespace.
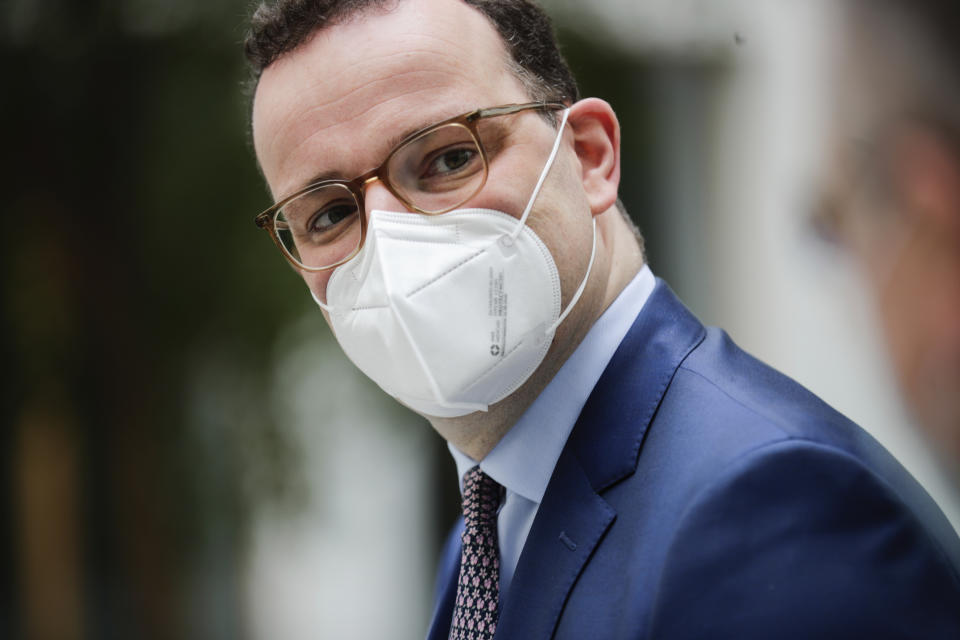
{"x":478,"y":589}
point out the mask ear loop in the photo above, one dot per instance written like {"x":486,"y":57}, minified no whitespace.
{"x":543,"y":176}
{"x":583,"y":285}
{"x":325,"y":307}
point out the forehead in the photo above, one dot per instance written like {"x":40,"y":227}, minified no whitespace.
{"x":335,"y":104}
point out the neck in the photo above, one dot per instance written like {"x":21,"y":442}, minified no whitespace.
{"x":618,"y":260}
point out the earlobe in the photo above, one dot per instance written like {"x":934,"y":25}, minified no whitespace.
{"x":596,"y":134}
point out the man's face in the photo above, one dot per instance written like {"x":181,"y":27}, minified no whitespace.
{"x":338,"y":104}
{"x":899,"y":188}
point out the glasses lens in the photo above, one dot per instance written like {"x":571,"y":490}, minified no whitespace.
{"x":320,"y":228}
{"x":439,"y":170}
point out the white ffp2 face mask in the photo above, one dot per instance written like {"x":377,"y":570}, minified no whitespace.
{"x":449,"y":313}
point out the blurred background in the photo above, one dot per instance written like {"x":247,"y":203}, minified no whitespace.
{"x":186,"y":452}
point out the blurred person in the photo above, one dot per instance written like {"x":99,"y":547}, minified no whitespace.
{"x":451,"y":204}
{"x":896,"y":194}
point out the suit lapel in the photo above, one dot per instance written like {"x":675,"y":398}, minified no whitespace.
{"x":603,"y":448}
{"x":570,"y":523}
{"x":610,"y":431}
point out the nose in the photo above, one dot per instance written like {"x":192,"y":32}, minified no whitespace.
{"x":377,"y":196}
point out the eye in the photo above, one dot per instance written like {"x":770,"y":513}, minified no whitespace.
{"x":331,"y":215}
{"x":450,"y":161}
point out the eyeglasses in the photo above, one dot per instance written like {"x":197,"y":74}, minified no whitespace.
{"x":431,"y":171}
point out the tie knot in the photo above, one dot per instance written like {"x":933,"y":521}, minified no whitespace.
{"x":481,"y":497}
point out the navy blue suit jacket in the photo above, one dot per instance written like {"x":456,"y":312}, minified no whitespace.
{"x":704,"y":495}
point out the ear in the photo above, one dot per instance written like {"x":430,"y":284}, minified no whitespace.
{"x":596,"y":136}
{"x":926,"y":172}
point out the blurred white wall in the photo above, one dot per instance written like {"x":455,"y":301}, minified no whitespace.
{"x":354,"y":559}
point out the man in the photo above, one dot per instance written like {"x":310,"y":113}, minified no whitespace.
{"x":896,"y":201}
{"x":626,"y":473}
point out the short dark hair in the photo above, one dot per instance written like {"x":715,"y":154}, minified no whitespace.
{"x":281,"y":26}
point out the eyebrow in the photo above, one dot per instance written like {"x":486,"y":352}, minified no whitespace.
{"x":390,"y":145}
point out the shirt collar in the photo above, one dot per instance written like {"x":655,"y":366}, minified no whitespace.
{"x":524,"y":459}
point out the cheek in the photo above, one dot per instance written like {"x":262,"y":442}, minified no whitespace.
{"x":562,"y":205}
{"x":562,"y":219}
{"x":514,"y":172}
{"x":508,"y":188}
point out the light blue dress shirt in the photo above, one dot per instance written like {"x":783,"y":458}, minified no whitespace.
{"x":524,"y":459}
